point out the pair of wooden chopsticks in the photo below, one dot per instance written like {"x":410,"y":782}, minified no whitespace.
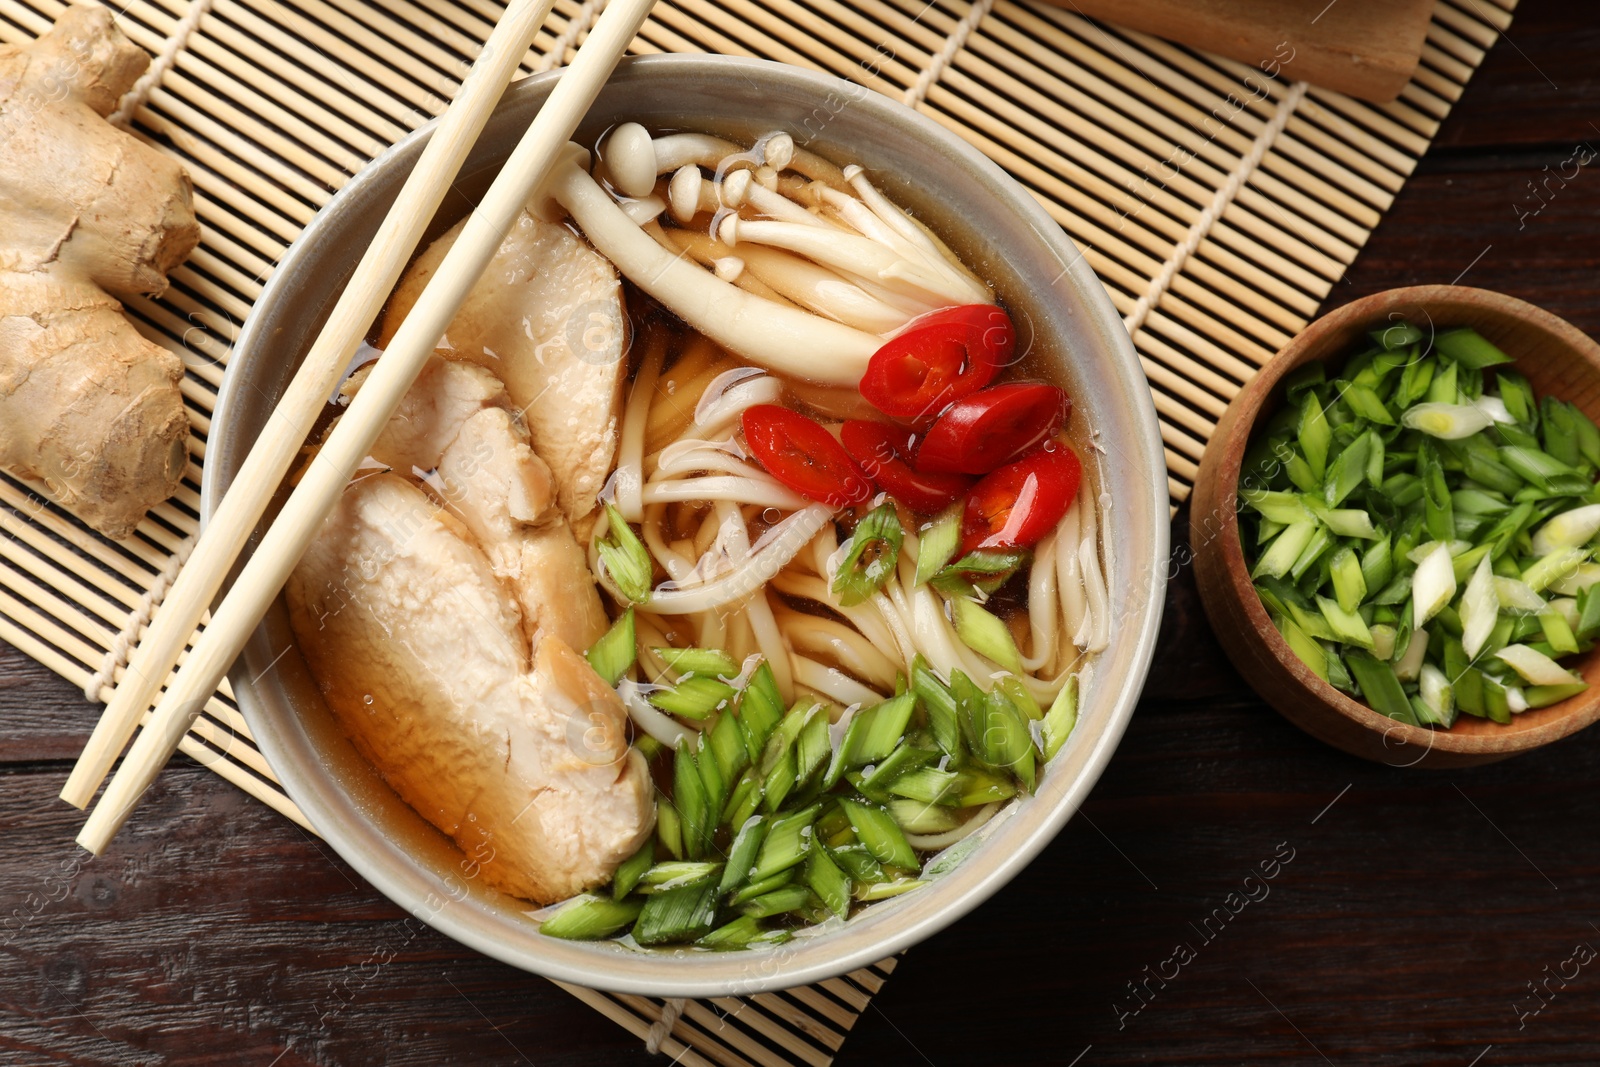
{"x":352,"y":438}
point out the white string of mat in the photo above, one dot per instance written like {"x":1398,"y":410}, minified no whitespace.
{"x":581,"y":21}
{"x":661,"y":1029}
{"x":1135,"y":319}
{"x":162,"y":62}
{"x":918,"y":91}
{"x":122,"y":644}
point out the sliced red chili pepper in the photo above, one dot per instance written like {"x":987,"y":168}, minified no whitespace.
{"x":804,"y":456}
{"x":993,"y":427}
{"x":884,"y":452}
{"x":1018,"y":504}
{"x":939,"y":357}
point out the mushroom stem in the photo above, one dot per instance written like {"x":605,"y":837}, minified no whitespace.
{"x":710,"y":252}
{"x":821,"y":290}
{"x":800,"y":281}
{"x":676,"y":150}
{"x":780,"y":338}
{"x":903,"y":223}
{"x":857,"y":255}
{"x":740,"y":189}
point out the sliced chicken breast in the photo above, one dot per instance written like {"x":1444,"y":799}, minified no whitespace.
{"x":454,"y":430}
{"x":502,"y":491}
{"x":546,"y":318}
{"x":422,"y":655}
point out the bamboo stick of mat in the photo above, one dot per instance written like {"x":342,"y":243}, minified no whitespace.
{"x":352,"y":438}
{"x":268,"y":461}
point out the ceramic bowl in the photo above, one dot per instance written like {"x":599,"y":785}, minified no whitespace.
{"x":999,"y":229}
{"x":1557,"y":359}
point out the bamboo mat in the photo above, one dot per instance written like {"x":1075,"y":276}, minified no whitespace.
{"x":1217,"y":205}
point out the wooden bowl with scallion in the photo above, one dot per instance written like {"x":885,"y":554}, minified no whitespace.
{"x":1396,"y":528}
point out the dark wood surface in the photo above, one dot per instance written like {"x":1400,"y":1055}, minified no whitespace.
{"x":1417,"y":911}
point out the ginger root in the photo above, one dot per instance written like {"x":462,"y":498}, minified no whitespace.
{"x":88,"y":407}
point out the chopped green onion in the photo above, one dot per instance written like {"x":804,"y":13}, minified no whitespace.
{"x":706,"y":662}
{"x":1436,"y":699}
{"x":630,"y":870}
{"x":1480,"y":609}
{"x":941,"y":540}
{"x":881,"y":835}
{"x":1539,"y":468}
{"x":1433,"y":585}
{"x":1542,"y":696}
{"x":789,"y":838}
{"x":939,"y":704}
{"x":885,"y":890}
{"x":589,"y":918}
{"x":1277,"y":560}
{"x":615,"y":652}
{"x":1518,"y":597}
{"x":695,"y":697}
{"x":813,"y":746}
{"x":1315,"y":436}
{"x":1557,"y":565}
{"x":1060,"y":719}
{"x":1282,"y":508}
{"x":778,"y":902}
{"x":917,"y":817}
{"x":872,"y":734}
{"x":1536,"y":667}
{"x":901,"y":761}
{"x":1349,"y":585}
{"x":674,"y":873}
{"x":742,"y":933}
{"x":1397,"y":335}
{"x":1309,"y":652}
{"x":1469,"y":348}
{"x":711,"y":777}
{"x":1560,"y":432}
{"x":870,"y":556}
{"x":857,"y":862}
{"x":1558,"y":633}
{"x":1377,"y":566}
{"x":1346,"y":626}
{"x":1348,"y":470}
{"x":760,"y":710}
{"x":683,"y":913}
{"x":981,"y":571}
{"x":1380,"y":687}
{"x":669,"y":825}
{"x":985,"y":633}
{"x":689,"y":797}
{"x":626,"y":559}
{"x":742,"y":854}
{"x":828,"y":882}
{"x":1409,"y":666}
{"x":1451,"y":422}
{"x":1003,"y":739}
{"x":726,"y":742}
{"x":1569,"y":529}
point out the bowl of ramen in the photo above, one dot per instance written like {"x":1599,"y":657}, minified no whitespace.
{"x":759,"y":574}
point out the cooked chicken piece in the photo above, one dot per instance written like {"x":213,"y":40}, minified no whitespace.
{"x":502,"y":492}
{"x":421,"y":654}
{"x":452,"y":429}
{"x":430,"y":415}
{"x":546,"y":318}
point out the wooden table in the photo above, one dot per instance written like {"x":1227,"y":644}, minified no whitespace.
{"x":1410,"y":917}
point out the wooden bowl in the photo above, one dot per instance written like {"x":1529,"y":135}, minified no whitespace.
{"x":1556,"y":358}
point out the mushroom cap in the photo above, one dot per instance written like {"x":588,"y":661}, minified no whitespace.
{"x":630,"y":158}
